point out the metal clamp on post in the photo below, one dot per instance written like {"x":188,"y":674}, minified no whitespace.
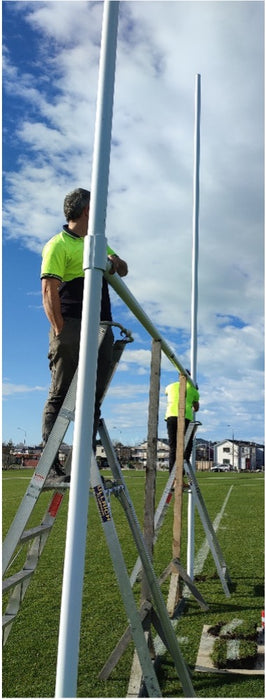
{"x":95,"y":255}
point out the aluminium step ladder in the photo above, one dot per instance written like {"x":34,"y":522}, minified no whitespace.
{"x":161,"y":620}
{"x":161,"y":510}
{"x":210,"y":533}
{"x":160,"y":617}
{"x":35,"y":537}
{"x":203,"y":514}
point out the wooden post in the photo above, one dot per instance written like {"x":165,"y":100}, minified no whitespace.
{"x":150,"y":484}
{"x":149,"y":505}
{"x":174,"y":589}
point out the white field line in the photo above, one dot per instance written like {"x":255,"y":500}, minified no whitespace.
{"x":15,"y":478}
{"x":204,"y":550}
{"x":198,"y":566}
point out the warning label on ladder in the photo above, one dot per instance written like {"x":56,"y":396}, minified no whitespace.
{"x":102,"y":503}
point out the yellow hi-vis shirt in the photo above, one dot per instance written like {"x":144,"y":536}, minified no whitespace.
{"x":172,"y":392}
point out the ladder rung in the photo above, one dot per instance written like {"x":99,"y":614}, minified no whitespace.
{"x":7,"y":619}
{"x":16,"y":578}
{"x":34,"y":531}
{"x":56,"y":487}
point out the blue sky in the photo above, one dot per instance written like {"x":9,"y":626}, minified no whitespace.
{"x":50,"y":73}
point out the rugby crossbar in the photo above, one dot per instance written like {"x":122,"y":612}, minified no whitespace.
{"x":122,"y":290}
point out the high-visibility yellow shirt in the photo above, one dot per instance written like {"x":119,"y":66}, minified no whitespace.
{"x":172,"y":392}
{"x":62,"y":258}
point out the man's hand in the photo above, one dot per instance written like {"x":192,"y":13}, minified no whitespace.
{"x":118,"y":265}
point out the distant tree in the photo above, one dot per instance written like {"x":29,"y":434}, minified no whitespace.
{"x":7,"y":457}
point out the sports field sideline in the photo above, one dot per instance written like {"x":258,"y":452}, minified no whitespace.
{"x":235,"y":503}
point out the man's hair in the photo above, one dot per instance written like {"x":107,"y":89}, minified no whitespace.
{"x":75,"y":202}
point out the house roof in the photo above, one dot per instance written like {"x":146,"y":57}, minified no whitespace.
{"x":240,"y":442}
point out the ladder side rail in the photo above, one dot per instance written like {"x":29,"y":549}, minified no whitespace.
{"x":19,"y":582}
{"x":162,"y":507}
{"x":212,"y":540}
{"x":37,"y":483}
{"x":38,"y":479}
{"x":38,"y":543}
{"x":121,"y":646}
{"x":190,"y":584}
{"x":115,"y":550}
{"x":163,"y":504}
{"x":172,"y":645}
{"x":207,"y":524}
{"x":204,"y":510}
{"x":13,"y":607}
{"x":38,"y":535}
{"x":118,"y":349}
{"x":156,"y":593}
{"x":115,"y":655}
{"x":35,"y":549}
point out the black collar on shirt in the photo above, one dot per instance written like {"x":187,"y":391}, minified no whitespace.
{"x":69,"y":232}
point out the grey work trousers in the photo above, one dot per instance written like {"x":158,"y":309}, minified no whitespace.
{"x":63,"y":361}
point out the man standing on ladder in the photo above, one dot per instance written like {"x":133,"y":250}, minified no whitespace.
{"x":171,"y":417}
{"x":62,"y":278}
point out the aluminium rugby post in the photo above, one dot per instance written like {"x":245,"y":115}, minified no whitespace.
{"x":94,"y":264}
{"x":194,"y":307}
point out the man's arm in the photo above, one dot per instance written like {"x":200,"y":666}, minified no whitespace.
{"x":119,"y":265}
{"x":51,"y":302}
{"x":195,"y":406}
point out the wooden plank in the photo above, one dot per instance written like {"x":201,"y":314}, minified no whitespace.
{"x":135,"y":681}
{"x":150,"y":483}
{"x":136,"y":684}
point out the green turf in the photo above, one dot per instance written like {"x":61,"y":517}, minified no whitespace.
{"x":29,"y":657}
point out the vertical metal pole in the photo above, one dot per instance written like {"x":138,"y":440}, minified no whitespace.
{"x":194,"y":303}
{"x":94,"y":264}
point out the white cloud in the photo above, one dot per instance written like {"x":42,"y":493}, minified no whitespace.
{"x":161,"y":47}
{"x":9,"y":389}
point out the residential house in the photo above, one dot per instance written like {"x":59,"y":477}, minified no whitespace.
{"x":241,"y":454}
{"x":139,"y":454}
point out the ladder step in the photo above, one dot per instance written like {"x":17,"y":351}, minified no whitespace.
{"x":34,"y":532}
{"x":16,"y":578}
{"x":7,"y":619}
{"x":49,"y":486}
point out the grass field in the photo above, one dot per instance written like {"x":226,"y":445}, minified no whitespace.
{"x":29,"y":657}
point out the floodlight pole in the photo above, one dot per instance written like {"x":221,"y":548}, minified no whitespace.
{"x":194,"y":305}
{"x":94,"y":264}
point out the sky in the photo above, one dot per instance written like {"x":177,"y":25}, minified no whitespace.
{"x":50,"y":75}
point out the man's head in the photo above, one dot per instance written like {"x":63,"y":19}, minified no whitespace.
{"x":75,"y":202}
